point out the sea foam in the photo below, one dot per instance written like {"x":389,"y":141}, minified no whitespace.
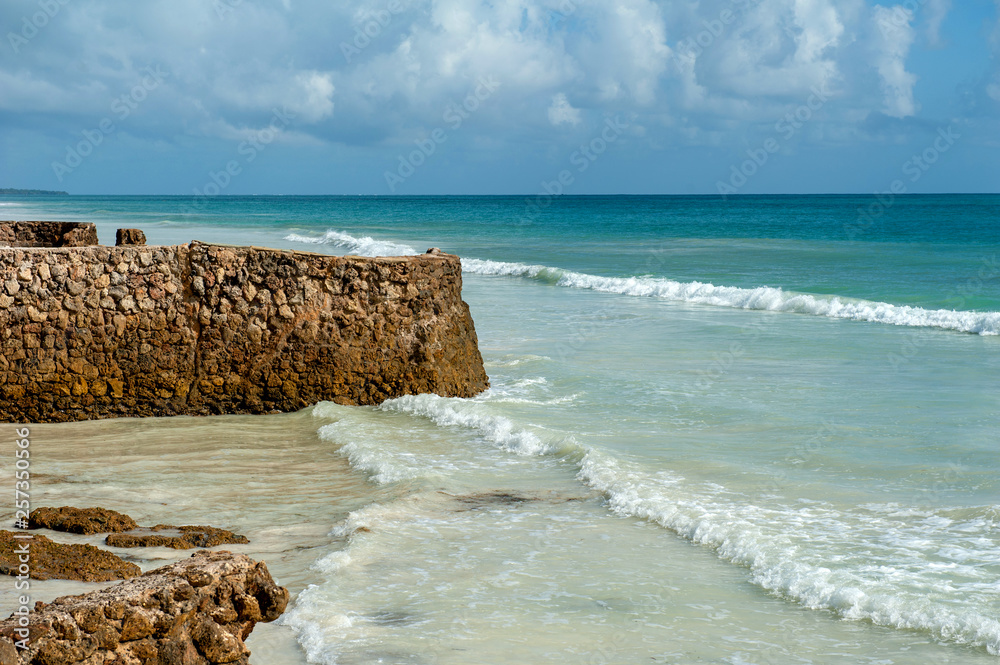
{"x":455,"y":412}
{"x":814,"y":554}
{"x":767,"y":542}
{"x":364,"y":246}
{"x":763,"y":298}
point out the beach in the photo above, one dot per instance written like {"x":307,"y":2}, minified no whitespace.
{"x":750,"y":431}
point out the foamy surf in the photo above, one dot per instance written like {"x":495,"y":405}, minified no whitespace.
{"x":364,"y":246}
{"x":775,"y":545}
{"x":894,"y":570}
{"x":454,"y":412}
{"x":764,"y":298}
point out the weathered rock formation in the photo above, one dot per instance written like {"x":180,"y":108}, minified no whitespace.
{"x":47,"y":234}
{"x":84,"y":521}
{"x":98,"y":332}
{"x":194,"y":612}
{"x":125,"y":532}
{"x":187,"y":538}
{"x":129,"y":237}
{"x":50,"y":560}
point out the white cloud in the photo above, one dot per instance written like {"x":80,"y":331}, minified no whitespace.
{"x":894,"y":36}
{"x":314,"y":96}
{"x":775,"y":50}
{"x":607,"y":56}
{"x":937,"y":11}
{"x":562,"y":113}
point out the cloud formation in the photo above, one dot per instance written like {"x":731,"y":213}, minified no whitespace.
{"x":378,"y":74}
{"x":893,"y":26}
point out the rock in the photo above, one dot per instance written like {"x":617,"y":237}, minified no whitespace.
{"x":203,"y":329}
{"x":129,"y":237}
{"x":433,"y":251}
{"x":48,"y":234}
{"x":80,"y":520}
{"x":51,"y":560}
{"x":190,"y":537}
{"x":194,"y":612}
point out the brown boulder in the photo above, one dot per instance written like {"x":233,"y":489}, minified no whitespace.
{"x":51,"y":560}
{"x":194,"y":612}
{"x":190,"y":537}
{"x":129,"y":237}
{"x":80,"y":520}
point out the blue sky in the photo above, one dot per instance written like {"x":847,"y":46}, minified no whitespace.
{"x":510,"y":96}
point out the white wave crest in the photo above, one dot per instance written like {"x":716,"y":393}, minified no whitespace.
{"x":456,"y":412}
{"x":364,"y":246}
{"x":763,"y":298}
{"x":778,"y":561}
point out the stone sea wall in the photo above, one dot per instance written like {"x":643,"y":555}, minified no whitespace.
{"x":97,"y":332}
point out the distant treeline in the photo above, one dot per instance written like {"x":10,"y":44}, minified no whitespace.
{"x":30,"y":192}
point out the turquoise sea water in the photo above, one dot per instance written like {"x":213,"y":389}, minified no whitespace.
{"x":761,"y":430}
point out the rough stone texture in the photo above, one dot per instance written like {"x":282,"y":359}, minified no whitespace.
{"x":80,"y":520}
{"x":51,"y":560}
{"x":194,"y":612}
{"x":100,"y":332}
{"x":189,"y":537}
{"x":47,"y":234}
{"x":129,"y":237}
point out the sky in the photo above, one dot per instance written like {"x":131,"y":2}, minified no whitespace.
{"x":408,"y":97}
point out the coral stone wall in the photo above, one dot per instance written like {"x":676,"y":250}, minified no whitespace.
{"x":98,"y":332}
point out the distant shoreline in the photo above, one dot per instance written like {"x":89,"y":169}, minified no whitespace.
{"x":30,"y":192}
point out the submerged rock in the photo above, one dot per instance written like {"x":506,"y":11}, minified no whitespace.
{"x":84,"y":521}
{"x":190,"y":537}
{"x":194,"y":612}
{"x":51,"y":560}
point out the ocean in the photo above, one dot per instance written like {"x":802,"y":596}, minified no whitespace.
{"x":761,"y":430}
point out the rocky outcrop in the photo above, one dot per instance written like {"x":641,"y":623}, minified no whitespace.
{"x":89,"y":521}
{"x":98,"y":332}
{"x":47,"y":234}
{"x":50,"y":560}
{"x":194,"y":612}
{"x":129,"y":237}
{"x":84,"y":521}
{"x":187,"y":538}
